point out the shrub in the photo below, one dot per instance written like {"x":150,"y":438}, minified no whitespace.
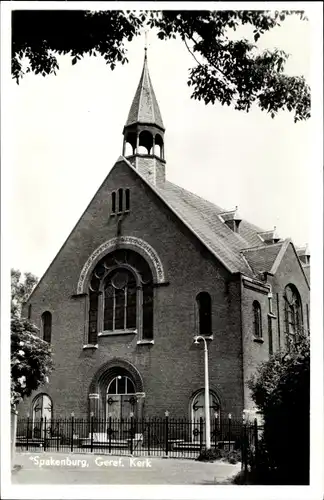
{"x":212,"y":454}
{"x":281,"y":391}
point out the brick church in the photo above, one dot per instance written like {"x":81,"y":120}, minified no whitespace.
{"x":148,"y":267}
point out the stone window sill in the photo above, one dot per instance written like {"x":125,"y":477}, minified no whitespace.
{"x":117,"y":332}
{"x":259,"y":340}
{"x":90,"y":346}
{"x":143,"y":342}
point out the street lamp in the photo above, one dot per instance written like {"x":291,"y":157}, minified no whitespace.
{"x":207,"y":414}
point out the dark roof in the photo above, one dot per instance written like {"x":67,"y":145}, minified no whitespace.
{"x":261,"y":259}
{"x":242,"y":252}
{"x":145,"y":108}
{"x":202,"y":217}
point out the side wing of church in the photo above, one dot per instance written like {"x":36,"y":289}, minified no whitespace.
{"x":148,"y":267}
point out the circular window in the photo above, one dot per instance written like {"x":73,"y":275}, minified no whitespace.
{"x":120,"y":279}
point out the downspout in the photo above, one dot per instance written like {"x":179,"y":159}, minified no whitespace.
{"x":269,"y":287}
{"x":242,"y":341}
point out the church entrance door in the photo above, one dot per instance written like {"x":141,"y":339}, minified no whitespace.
{"x":198,"y":411}
{"x":121,"y":404}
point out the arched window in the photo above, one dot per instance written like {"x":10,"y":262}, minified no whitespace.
{"x":47,"y":326}
{"x":203,"y":300}
{"x":121,"y":385}
{"x":257,"y":319}
{"x":293,"y":312}
{"x":113,"y":202}
{"x":120,"y":300}
{"x":121,"y":296}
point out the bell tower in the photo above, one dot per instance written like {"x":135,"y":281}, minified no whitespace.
{"x":144,"y":132}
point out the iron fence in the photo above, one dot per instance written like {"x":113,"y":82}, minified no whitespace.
{"x":175,"y":438}
{"x":152,"y":436}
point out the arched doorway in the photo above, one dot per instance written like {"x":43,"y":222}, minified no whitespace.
{"x":121,"y":401}
{"x":42,"y":414}
{"x":197,"y":411}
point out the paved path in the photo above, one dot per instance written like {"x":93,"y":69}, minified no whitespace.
{"x":59,"y":468}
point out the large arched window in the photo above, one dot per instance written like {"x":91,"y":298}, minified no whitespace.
{"x":121,"y":296}
{"x":203,"y":300}
{"x":47,"y":326}
{"x":257,"y":320}
{"x":293,"y":312}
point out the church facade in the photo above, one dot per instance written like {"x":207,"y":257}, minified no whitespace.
{"x":147,"y":268}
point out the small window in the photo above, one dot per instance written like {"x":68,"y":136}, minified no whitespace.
{"x":204,"y":313}
{"x":47,"y":326}
{"x":113,"y":202}
{"x":120,"y":200}
{"x":127,"y":200}
{"x":257,"y":319}
{"x":29,"y":311}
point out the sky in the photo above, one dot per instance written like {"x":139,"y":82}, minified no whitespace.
{"x":67,"y":135}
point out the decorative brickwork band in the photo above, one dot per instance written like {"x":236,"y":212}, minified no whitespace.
{"x":137,"y":244}
{"x":93,"y":396}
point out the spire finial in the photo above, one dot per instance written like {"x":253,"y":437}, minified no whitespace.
{"x":145,"y":47}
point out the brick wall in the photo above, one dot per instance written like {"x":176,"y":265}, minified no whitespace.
{"x":288,"y":272}
{"x":173,"y":368}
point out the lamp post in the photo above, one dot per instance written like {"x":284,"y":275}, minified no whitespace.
{"x":207,"y":414}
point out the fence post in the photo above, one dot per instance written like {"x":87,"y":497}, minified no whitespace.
{"x":109,"y":434}
{"x":27,"y":437}
{"x":201,"y":432}
{"x":72,"y":430}
{"x":91,"y":431}
{"x":131,"y":433}
{"x":148,"y":435}
{"x":45,"y":434}
{"x":166,"y":433}
{"x":256,"y":443}
{"x":41,"y":432}
{"x":58,"y":436}
{"x":229,"y":431}
{"x":215,"y":429}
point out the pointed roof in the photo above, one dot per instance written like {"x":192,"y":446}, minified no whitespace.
{"x":145,"y":108}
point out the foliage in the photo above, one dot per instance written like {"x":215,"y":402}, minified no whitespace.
{"x":31,"y":360}
{"x":234,"y":72}
{"x":212,"y":454}
{"x":20,"y":290}
{"x":281,"y":390}
{"x":31,"y":357}
{"x":40,"y":35}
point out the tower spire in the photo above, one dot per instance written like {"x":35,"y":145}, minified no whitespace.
{"x":144,"y":129}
